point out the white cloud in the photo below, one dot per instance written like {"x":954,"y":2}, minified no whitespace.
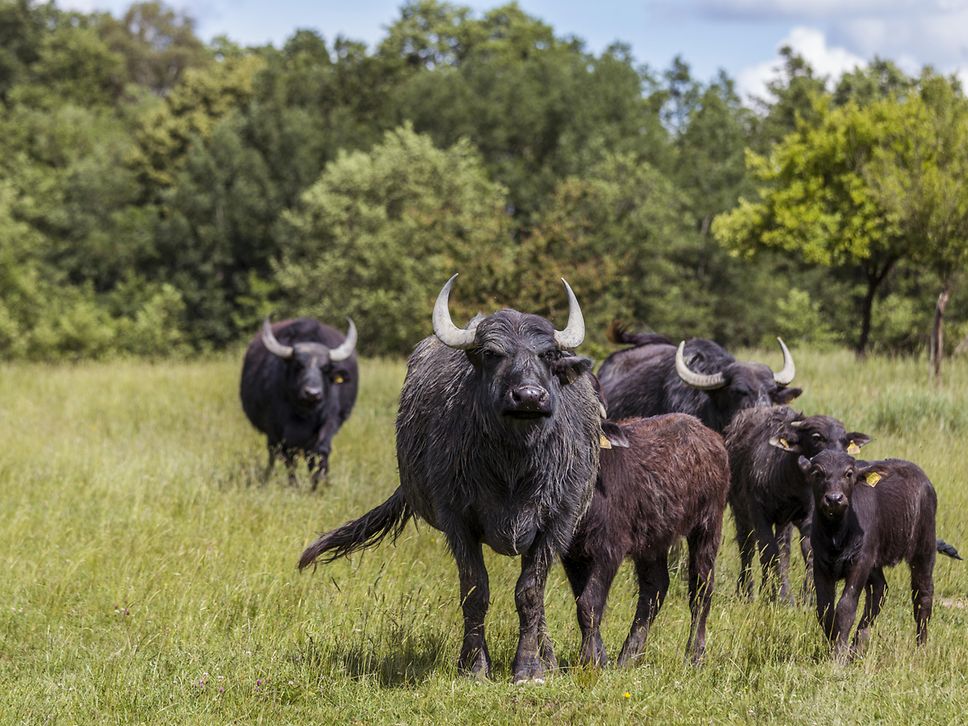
{"x":766,"y":10}
{"x":810,"y":43}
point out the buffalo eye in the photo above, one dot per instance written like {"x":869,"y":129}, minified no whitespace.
{"x":552,"y":355}
{"x":818,"y":437}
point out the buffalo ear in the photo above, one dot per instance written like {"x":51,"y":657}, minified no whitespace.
{"x":856,"y":438}
{"x":613,"y":433}
{"x":804,"y":464}
{"x":783,"y":396}
{"x":570,"y":368}
{"x":786,"y":442}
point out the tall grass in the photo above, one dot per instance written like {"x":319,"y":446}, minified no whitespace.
{"x":146,"y":575}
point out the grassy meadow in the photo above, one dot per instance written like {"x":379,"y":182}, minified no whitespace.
{"x":147,"y":576}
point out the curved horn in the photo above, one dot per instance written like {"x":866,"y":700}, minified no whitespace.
{"x":702,"y":381}
{"x":789,"y":370}
{"x":444,"y":328}
{"x":346,"y":348}
{"x":273,"y":345}
{"x":574,"y":332}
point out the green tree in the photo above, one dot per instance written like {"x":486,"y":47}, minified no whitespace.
{"x":377,"y":235}
{"x":917,"y":175}
{"x":866,"y":188}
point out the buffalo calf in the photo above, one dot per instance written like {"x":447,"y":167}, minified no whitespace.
{"x":870,"y":515}
{"x":769,"y":493}
{"x":669,"y":480}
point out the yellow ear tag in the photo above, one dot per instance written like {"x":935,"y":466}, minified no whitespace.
{"x":872,"y":478}
{"x":338,"y":379}
{"x":603,"y":442}
{"x":853,"y":449}
{"x":784,"y":443}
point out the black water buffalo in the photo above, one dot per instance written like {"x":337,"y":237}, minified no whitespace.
{"x":698,"y":378}
{"x":498,"y":438}
{"x":769,"y":491}
{"x":299,"y":381}
{"x":870,"y":515}
{"x":667,"y":478}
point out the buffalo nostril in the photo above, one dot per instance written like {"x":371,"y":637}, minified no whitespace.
{"x":313,"y":394}
{"x":834,"y":498}
{"x":529,"y":395}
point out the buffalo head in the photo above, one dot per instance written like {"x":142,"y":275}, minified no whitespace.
{"x":521,"y":360}
{"x":813,"y":434}
{"x":833,"y":476}
{"x":740,"y":385}
{"x":312,"y":369}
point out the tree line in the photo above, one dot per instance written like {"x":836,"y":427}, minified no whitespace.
{"x":160,"y":195}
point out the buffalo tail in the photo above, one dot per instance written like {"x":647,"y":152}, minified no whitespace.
{"x":369,"y":530}
{"x":619,"y":334}
{"x":946,"y":549}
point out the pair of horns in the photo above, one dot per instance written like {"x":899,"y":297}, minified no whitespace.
{"x":341,"y":352}
{"x":463,"y":338}
{"x":708,"y":382}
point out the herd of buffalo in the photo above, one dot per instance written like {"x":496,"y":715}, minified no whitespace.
{"x":505,"y":437}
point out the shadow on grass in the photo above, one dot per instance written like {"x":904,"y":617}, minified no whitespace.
{"x":393,"y":662}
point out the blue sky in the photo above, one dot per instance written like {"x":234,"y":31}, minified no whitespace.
{"x":741,"y":36}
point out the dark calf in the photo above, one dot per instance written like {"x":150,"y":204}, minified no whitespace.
{"x":671,"y":481}
{"x":869,"y":515}
{"x":769,"y":492}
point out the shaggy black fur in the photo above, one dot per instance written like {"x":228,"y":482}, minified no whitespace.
{"x":769,"y":492}
{"x":273,"y":393}
{"x":869,"y":515}
{"x":484,"y":468}
{"x":671,"y":481}
{"x":642,"y":380}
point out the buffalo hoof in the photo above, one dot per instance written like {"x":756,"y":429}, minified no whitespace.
{"x":475,"y":663}
{"x":319,"y":477}
{"x":548,"y":654}
{"x":531,"y":670}
{"x":593,"y":653}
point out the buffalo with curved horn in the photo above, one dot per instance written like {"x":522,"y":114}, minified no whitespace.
{"x":698,"y":377}
{"x":299,"y":383}
{"x":498,"y":437}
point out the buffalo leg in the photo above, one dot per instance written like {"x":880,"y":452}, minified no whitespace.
{"x":784,"y":540}
{"x":922,"y":593}
{"x":703,"y":546}
{"x":876,"y":585}
{"x":846,"y":611}
{"x":825,"y":587}
{"x":474,"y":658}
{"x":318,"y":468}
{"x":529,"y":600}
{"x":322,"y":449}
{"x":274,"y":450}
{"x":590,"y":581}
{"x":289,"y":456}
{"x":746,"y":540}
{"x":806,"y":551}
{"x":769,"y":559}
{"x":653,"y":577}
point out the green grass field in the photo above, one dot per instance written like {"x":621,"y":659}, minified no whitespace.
{"x":147,"y":576}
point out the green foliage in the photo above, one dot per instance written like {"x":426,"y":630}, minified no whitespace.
{"x":377,"y":234}
{"x":150,"y":178}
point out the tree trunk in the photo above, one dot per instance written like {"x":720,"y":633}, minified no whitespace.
{"x":867,"y":308}
{"x":874,"y":279}
{"x":936,"y":348}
